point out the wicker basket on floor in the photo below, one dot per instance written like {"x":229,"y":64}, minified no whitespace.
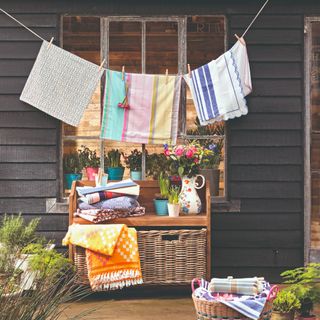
{"x":215,"y":310}
{"x":167,"y":256}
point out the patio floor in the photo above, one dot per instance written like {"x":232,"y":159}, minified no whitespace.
{"x":133,"y":306}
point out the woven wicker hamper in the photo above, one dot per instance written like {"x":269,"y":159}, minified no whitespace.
{"x":167,"y":256}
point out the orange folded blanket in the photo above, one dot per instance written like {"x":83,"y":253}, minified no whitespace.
{"x":112,"y":254}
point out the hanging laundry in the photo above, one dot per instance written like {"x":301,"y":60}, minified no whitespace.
{"x":61,"y":84}
{"x":219,"y":87}
{"x":152,"y":107}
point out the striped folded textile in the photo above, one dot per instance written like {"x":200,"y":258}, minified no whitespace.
{"x":99,"y":196}
{"x":102,"y":215}
{"x":247,"y":286}
{"x":153,"y":106}
{"x":218,"y":88}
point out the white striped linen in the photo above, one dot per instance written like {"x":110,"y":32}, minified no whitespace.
{"x":218,"y":88}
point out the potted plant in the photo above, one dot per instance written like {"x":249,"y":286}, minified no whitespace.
{"x":115,"y":169}
{"x":134,"y":163}
{"x":209,"y":166}
{"x":90,"y":161}
{"x":285,"y":305}
{"x":173,"y":201}
{"x":72,"y":168}
{"x":304,"y":283}
{"x":155,"y":164}
{"x":161,"y":200}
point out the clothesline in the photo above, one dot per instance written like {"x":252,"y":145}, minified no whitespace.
{"x":102,"y":63}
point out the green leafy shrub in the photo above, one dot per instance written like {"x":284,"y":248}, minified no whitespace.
{"x":304,"y":283}
{"x":286,"y":301}
{"x":114,"y":158}
{"x":173,"y":196}
{"x":134,"y":160}
{"x":88,"y":158}
{"x":157,"y":163}
{"x":15,"y":234}
{"x":71,"y":163}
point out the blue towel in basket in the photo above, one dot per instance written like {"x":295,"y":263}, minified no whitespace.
{"x":249,"y":306}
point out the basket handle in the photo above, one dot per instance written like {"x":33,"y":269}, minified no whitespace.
{"x":193,"y":282}
{"x":273,"y":293}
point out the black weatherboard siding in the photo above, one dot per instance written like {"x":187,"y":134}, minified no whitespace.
{"x":265,"y":148}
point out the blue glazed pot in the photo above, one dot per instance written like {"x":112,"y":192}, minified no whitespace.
{"x":161,"y":207}
{"x":70,"y":177}
{"x":115,"y":173}
{"x":136,"y":175}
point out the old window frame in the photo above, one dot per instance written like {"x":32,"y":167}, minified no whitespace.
{"x":182,"y":69}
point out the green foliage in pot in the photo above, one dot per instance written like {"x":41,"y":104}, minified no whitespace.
{"x":47,"y":262}
{"x":215,"y":144}
{"x":155,"y":164}
{"x":286,"y":301}
{"x":173,"y":196}
{"x":114,"y":158}
{"x":134,"y":160}
{"x":88,"y":158}
{"x":71,"y":163}
{"x":304,"y":283}
{"x":164,"y":185}
{"x":15,"y":234}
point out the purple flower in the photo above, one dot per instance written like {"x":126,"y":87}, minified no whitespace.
{"x":165,"y":146}
{"x":212,"y":147}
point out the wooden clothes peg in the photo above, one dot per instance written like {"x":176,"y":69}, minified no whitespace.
{"x":240,"y":39}
{"x":167,"y":71}
{"x":50,"y":43}
{"x":123,"y":71}
{"x":102,"y":63}
{"x":189,"y":70}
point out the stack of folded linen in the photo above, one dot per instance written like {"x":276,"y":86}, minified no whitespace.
{"x":115,"y":200}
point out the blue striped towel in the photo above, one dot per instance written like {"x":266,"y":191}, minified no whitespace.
{"x":218,"y":88}
{"x":249,"y":306}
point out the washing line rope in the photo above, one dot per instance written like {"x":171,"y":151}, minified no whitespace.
{"x":21,"y":24}
{"x":37,"y":35}
{"x":254,"y":19}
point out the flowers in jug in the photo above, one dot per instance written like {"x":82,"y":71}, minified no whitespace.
{"x":185,"y":160}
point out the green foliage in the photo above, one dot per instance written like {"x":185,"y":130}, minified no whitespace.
{"x":7,"y":261}
{"x":71,"y":163}
{"x":286,"y":301}
{"x":173,"y":196}
{"x":216,"y":143}
{"x":164,"y":184}
{"x":47,"y":262}
{"x":157,"y":163}
{"x":304,"y":283}
{"x":88,"y":158}
{"x":134,"y":160}
{"x":15,"y":234}
{"x":114,"y":158}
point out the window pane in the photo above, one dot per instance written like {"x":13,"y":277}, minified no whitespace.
{"x":162,"y":47}
{"x":125,"y":46}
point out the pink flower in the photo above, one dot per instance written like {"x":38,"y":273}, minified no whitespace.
{"x":166,"y":152}
{"x":196,"y":160}
{"x":189,"y":154}
{"x":179,"y":151}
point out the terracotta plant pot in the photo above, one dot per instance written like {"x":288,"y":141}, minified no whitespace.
{"x":173,"y":210}
{"x":282,"y":316}
{"x":91,"y":172}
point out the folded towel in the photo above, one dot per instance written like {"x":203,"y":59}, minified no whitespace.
{"x":218,"y":88}
{"x":99,"y":196}
{"x":152,"y":115}
{"x":61,"y":84}
{"x":247,"y":286}
{"x":102,"y":215}
{"x":124,"y":202}
{"x":111,"y":253}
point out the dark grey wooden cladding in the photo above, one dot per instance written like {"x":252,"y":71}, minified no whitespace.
{"x":265,"y":152}
{"x":28,"y":137}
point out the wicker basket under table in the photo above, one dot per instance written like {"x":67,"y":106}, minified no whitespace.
{"x":167,"y":256}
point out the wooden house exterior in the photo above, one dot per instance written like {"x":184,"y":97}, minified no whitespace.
{"x":266,"y":223}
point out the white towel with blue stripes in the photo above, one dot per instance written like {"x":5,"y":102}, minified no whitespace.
{"x":219,"y":87}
